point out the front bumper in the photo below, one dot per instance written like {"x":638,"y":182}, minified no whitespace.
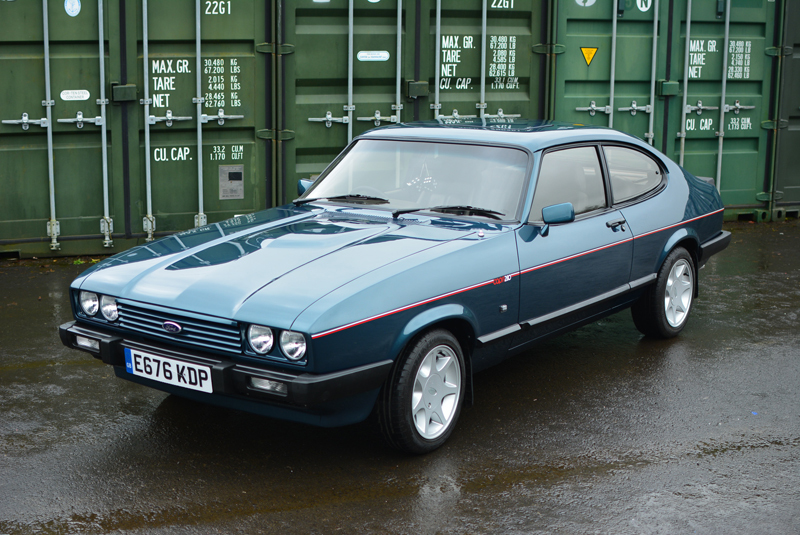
{"x":229,"y":378}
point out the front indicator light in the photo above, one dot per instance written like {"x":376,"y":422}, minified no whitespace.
{"x":260,"y":338}
{"x":267,"y":385}
{"x":89,"y":303}
{"x":87,"y":343}
{"x":293,"y":345}
{"x":108,"y":307}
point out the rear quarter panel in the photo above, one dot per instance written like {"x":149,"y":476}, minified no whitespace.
{"x":687,"y":211}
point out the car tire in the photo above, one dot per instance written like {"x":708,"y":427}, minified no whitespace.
{"x":663,"y":309}
{"x":422,"y":398}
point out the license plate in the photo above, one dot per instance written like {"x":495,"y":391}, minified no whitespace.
{"x":167,"y":370}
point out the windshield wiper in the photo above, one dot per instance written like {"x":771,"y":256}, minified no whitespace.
{"x":364,"y":199}
{"x":470,"y":210}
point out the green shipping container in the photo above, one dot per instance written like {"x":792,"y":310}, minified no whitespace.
{"x":379,"y":62}
{"x":694,"y":78}
{"x":178,"y":103}
{"x":787,"y":168}
{"x":205,"y":110}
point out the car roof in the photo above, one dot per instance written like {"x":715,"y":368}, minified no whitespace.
{"x":533,"y":135}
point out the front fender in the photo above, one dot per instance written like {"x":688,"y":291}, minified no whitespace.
{"x":428,"y":318}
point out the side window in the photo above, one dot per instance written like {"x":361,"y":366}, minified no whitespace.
{"x":569,"y":175}
{"x":631,"y":172}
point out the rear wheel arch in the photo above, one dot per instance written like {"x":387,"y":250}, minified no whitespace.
{"x":685,"y":239}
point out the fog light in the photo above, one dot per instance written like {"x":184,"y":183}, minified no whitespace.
{"x":87,"y":343}
{"x":268,"y":385}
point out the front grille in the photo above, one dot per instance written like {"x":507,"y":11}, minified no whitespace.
{"x":210,"y":334}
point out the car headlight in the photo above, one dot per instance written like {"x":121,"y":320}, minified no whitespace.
{"x":108,"y":307}
{"x":89,"y":303}
{"x":260,"y":338}
{"x":293,"y":345}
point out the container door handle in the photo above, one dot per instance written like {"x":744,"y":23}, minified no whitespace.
{"x":169,"y":118}
{"x":594,"y":108}
{"x":26,"y":123}
{"x":501,"y":115}
{"x":736,"y":108}
{"x":329,"y":119}
{"x":220,"y":117}
{"x":377,"y":118}
{"x":633,"y":108}
{"x":699,"y":108}
{"x":80,"y":119}
{"x":456,"y":116}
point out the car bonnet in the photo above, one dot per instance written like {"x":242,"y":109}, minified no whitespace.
{"x":292,"y":262}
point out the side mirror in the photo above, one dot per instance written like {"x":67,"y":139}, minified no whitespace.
{"x":303,"y":184}
{"x":557,"y":213}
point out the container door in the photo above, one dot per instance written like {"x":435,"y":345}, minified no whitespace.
{"x":347,"y":66}
{"x":709,"y":94}
{"x":480,"y":59}
{"x":338,"y":70}
{"x":605,"y":75}
{"x":200,"y":159}
{"x":787,"y":176}
{"x":51,"y":131}
{"x":728,"y":84}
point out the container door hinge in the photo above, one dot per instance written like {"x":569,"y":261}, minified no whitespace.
{"x":107,"y":229}
{"x":777,"y":51}
{"x":549,"y":49}
{"x":271,"y":48}
{"x":775,"y":125}
{"x":54,"y":231}
{"x":280,"y":135}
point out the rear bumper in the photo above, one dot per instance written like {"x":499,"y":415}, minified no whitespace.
{"x":713,"y":246}
{"x":229,"y":378}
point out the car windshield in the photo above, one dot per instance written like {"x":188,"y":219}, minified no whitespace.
{"x":410,"y":175}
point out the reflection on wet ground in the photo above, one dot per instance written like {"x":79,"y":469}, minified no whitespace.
{"x":599,"y":431}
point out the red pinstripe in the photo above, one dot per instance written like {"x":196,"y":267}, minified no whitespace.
{"x":486,"y":283}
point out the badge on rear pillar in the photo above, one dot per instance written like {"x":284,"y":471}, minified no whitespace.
{"x":171,"y":327}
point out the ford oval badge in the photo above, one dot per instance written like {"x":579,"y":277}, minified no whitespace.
{"x":171,"y":327}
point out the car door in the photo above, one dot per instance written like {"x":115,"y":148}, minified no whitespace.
{"x":572,"y":270}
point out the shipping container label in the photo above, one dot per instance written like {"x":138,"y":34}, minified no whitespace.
{"x":373,"y":55}
{"x":222,"y":87}
{"x":231,"y":182}
{"x":700,"y":51}
{"x":172,"y":154}
{"x":739,"y":59}
{"x":163,"y":74}
{"x":501,"y":65}
{"x":222,"y":83}
{"x":75,"y":94}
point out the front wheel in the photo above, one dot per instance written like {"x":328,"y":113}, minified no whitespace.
{"x":663,"y":310}
{"x":422,"y":399}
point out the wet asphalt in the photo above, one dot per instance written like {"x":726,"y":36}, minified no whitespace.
{"x":598,"y":431}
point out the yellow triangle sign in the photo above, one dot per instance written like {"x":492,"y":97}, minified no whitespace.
{"x":588,"y":54}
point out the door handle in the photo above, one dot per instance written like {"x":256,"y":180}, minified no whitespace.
{"x":615,"y":223}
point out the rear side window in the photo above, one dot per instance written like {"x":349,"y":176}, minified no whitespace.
{"x":632,"y":173}
{"x":569,"y":175}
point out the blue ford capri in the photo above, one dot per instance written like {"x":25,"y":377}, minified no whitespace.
{"x":423,"y":254}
